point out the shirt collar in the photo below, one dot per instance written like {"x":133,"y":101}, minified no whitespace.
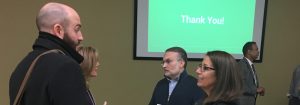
{"x":182,"y":75}
{"x":250,"y":62}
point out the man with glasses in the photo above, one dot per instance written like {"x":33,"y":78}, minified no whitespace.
{"x":177,"y":87}
{"x":251,"y":84}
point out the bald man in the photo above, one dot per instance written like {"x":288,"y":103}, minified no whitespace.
{"x":56,"y":79}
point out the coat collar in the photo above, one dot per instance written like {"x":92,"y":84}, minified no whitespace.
{"x":47,"y":41}
{"x":182,"y":75}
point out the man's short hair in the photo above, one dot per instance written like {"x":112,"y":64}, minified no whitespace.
{"x":248,"y":46}
{"x":181,"y":52}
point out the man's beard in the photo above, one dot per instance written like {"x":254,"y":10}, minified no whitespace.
{"x":70,"y":42}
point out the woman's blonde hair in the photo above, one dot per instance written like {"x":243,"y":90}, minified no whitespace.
{"x":90,"y":56}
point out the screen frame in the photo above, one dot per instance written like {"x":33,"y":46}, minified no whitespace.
{"x":158,"y":56}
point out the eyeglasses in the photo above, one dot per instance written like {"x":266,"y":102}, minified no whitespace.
{"x":204,"y":68}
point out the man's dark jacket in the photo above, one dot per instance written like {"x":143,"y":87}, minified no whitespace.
{"x":186,"y":92}
{"x":56,"y":78}
{"x":248,"y":78}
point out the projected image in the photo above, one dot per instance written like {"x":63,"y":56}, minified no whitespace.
{"x":197,"y":26}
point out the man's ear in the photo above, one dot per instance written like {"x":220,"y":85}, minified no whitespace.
{"x":182,"y":63}
{"x":248,"y":51}
{"x":58,"y":30}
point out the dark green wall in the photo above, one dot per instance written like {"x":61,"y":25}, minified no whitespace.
{"x":108,"y":25}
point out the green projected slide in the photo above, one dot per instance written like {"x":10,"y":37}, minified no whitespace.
{"x":200,"y":25}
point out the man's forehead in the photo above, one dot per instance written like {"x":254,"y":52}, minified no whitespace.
{"x":170,"y":55}
{"x":254,"y":46}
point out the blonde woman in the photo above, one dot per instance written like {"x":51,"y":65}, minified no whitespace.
{"x":90,"y":63}
{"x":89,"y":66}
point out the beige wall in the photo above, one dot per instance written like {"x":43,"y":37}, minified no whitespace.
{"x":108,"y":25}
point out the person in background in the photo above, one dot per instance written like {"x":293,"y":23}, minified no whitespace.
{"x":251,"y":86}
{"x":177,"y":87}
{"x":90,"y":66}
{"x":219,"y":77}
{"x":56,"y":78}
{"x":294,"y":91}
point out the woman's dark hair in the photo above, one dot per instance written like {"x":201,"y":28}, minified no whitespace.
{"x":229,"y":83}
